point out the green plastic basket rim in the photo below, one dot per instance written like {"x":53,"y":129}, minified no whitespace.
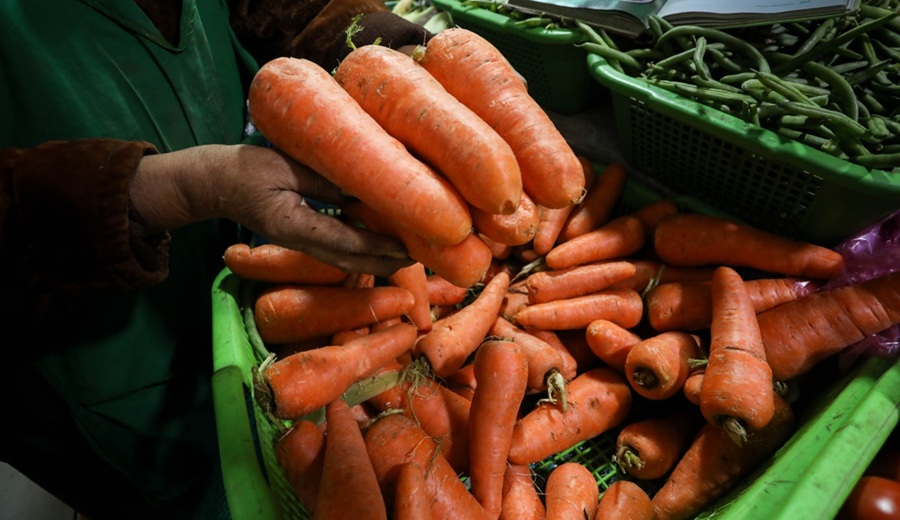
{"x":505,"y":24}
{"x":758,"y":140}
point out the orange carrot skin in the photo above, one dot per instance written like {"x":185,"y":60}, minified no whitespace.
{"x":693,"y":384}
{"x":414,"y":279}
{"x":654,"y":213}
{"x":657,"y":367}
{"x":276,"y":264}
{"x":625,"y":500}
{"x":622,"y":306}
{"x":293,"y":313}
{"x":513,"y":229}
{"x":569,"y":368}
{"x":550,"y":225}
{"x":501,"y":372}
{"x":301,"y":453}
{"x":598,"y":400}
{"x":304,"y":112}
{"x":691,"y":239}
{"x":542,"y":358}
{"x":653,"y":272}
{"x":478,"y":75}
{"x":515,"y":300}
{"x":395,"y":440}
{"x":462,"y":382}
{"x":799,"y":334}
{"x":649,"y":448}
{"x":738,"y":380}
{"x":442,"y":292}
{"x":569,"y":282}
{"x":611,"y":342}
{"x":598,"y":204}
{"x":571,"y":493}
{"x":347,"y":466}
{"x":453,"y":338}
{"x":521,"y":500}
{"x":306,"y":381}
{"x":618,"y":238}
{"x":714,"y":463}
{"x":412,"y":106}
{"x":411,"y":500}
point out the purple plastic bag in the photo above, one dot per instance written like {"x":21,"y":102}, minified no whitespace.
{"x":873,"y":252}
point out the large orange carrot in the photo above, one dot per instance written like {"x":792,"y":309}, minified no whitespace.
{"x":598,"y":203}
{"x":692,"y":239}
{"x":693,"y":384}
{"x":570,"y":366}
{"x":463,"y":264}
{"x":544,"y":361}
{"x":552,"y":221}
{"x":799,"y":334}
{"x":714,"y":463}
{"x":413,"y":278}
{"x":411,"y":500}
{"x":412,"y":106}
{"x":453,"y":338}
{"x":618,"y":238}
{"x":521,"y":500}
{"x":569,"y":282}
{"x":395,"y":440}
{"x":625,"y":500}
{"x":306,"y":381}
{"x":292,"y":313}
{"x":441,"y":292}
{"x":516,"y":299}
{"x":577,"y":345}
{"x":513,"y":229}
{"x":301,"y":454}
{"x":571,"y":493}
{"x":737,"y":391}
{"x":654,"y":213}
{"x":622,"y":306}
{"x":276,"y":264}
{"x":598,"y":400}
{"x":611,"y":342}
{"x":657,"y":366}
{"x":687,"y":305}
{"x":501,"y":371}
{"x":347,"y":466}
{"x":649,"y":448}
{"x":303,"y":111}
{"x":462,"y":382}
{"x":478,"y":75}
{"x":651,"y":272}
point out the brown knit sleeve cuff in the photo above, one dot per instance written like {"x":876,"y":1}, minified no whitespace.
{"x":83,"y":234}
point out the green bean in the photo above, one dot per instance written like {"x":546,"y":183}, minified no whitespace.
{"x":805,"y":87}
{"x":698,"y":56}
{"x":712,"y":83}
{"x":841,"y":120}
{"x":711,"y":94}
{"x":645,"y":54}
{"x":893,"y":126}
{"x":593,"y":35}
{"x":722,"y":60}
{"x":810,"y":140}
{"x":816,"y":36}
{"x":849,"y":66}
{"x":878,"y":128}
{"x":870,"y":11}
{"x":738,"y":78}
{"x":890,"y":51}
{"x":536,"y":21}
{"x":879,"y":161}
{"x":720,"y":36}
{"x":838,"y":85}
{"x":871,"y":103}
{"x":869,"y":73}
{"x":782,"y":87}
{"x":613,"y":56}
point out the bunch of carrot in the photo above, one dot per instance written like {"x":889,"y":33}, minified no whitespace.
{"x":565,"y":319}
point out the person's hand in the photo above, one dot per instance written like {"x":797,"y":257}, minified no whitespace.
{"x":261,"y":189}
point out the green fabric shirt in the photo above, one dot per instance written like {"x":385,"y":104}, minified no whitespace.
{"x":136,"y":375}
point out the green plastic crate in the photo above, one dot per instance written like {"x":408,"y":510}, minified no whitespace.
{"x":547,"y":58}
{"x":756,"y":175}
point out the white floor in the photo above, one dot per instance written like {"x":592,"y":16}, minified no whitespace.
{"x":22,"y":499}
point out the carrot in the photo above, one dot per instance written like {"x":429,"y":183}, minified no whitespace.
{"x":301,"y":454}
{"x":618,"y":238}
{"x":657,"y":367}
{"x":651,"y":272}
{"x":799,"y":334}
{"x":737,"y":391}
{"x":359,"y":281}
{"x":292,"y":313}
{"x":395,"y":440}
{"x":654,"y":213}
{"x":598,"y":399}
{"x":342,"y":336}
{"x":569,"y":282}
{"x":478,"y":75}
{"x":413,"y":278}
{"x":649,"y":448}
{"x":452,"y":339}
{"x":516,"y":299}
{"x":569,"y":367}
{"x":611,"y":342}
{"x":347,"y":466}
{"x":462,"y":382}
{"x":691,"y":239}
{"x":521,"y":500}
{"x":513,"y":229}
{"x":571,"y":493}
{"x":714,"y":463}
{"x":693,"y":384}
{"x":277,"y":264}
{"x":622,"y":306}
{"x":300,"y":108}
{"x":306,"y":381}
{"x":598,"y":204}
{"x":552,"y":221}
{"x":412,"y":106}
{"x":687,"y":305}
{"x":544,"y":361}
{"x":442,"y":292}
{"x":411,"y":501}
{"x":501,"y":370}
{"x":625,"y":500}
{"x":498,"y":251}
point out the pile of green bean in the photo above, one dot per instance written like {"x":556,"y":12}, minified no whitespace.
{"x":833,"y":83}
